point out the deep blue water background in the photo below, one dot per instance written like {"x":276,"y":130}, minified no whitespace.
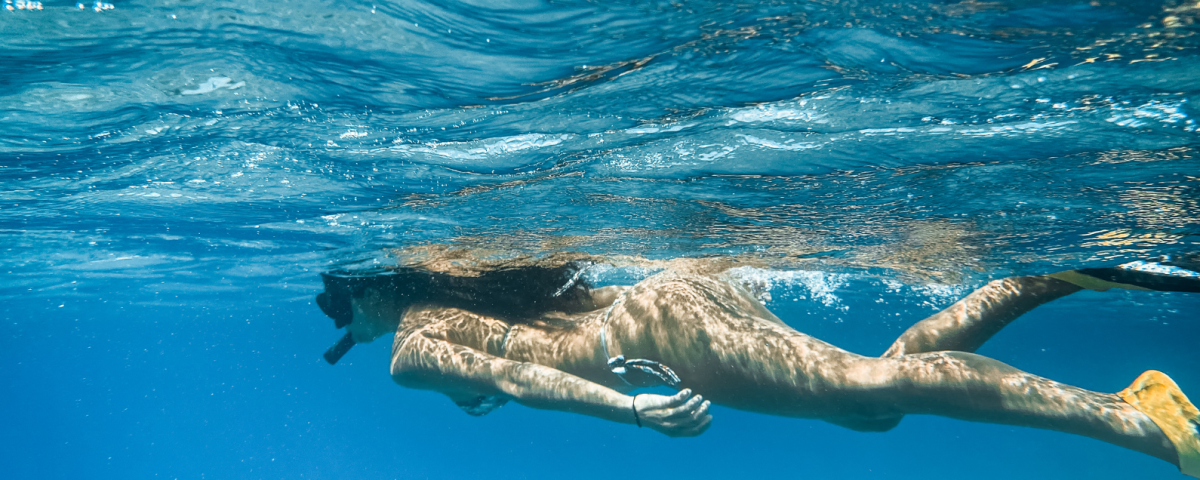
{"x":173,"y":176}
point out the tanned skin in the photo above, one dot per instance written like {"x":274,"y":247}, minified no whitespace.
{"x":722,"y":342}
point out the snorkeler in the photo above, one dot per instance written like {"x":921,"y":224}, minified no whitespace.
{"x":541,"y":337}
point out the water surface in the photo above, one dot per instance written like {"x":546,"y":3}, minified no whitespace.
{"x":173,"y":176}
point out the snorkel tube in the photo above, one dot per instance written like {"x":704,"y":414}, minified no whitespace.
{"x":340,"y":348}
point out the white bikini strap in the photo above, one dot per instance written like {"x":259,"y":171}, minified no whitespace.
{"x":620,"y":366}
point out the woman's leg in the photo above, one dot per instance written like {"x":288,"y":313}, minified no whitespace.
{"x":725,"y":347}
{"x":970,"y":322}
{"x":973,"y":320}
{"x":976,"y":388}
{"x":1125,"y":418}
{"x":768,"y":369}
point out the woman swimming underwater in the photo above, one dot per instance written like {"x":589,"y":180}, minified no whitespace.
{"x":541,"y":337}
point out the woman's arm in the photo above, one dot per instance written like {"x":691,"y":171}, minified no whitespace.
{"x":420,"y":360}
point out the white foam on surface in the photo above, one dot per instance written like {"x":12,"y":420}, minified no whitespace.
{"x":762,"y":142}
{"x":819,"y":286}
{"x":1155,"y":111}
{"x":212,"y":84}
{"x":656,"y":129}
{"x":792,"y":111}
{"x":1017,"y":129}
{"x":482,"y":149}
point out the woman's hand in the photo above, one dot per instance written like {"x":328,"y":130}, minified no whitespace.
{"x":679,"y":415}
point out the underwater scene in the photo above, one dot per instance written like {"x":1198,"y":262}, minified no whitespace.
{"x":561,"y":213}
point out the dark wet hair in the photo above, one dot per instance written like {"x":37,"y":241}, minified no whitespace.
{"x":518,"y":294}
{"x":514,"y":294}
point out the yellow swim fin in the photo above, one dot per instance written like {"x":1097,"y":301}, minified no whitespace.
{"x":1157,"y":396}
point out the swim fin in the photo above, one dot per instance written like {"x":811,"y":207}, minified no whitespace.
{"x":1157,"y":396}
{"x":1139,"y":275}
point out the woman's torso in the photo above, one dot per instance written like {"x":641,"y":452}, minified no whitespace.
{"x":695,"y":325}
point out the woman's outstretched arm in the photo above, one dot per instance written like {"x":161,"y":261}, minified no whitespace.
{"x":420,"y":360}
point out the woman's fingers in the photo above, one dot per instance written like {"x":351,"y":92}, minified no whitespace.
{"x":697,"y":423}
{"x":679,"y":415}
{"x":701,"y":411}
{"x":679,"y":398}
{"x":697,"y":429}
{"x":685,"y":410}
{"x":696,"y":417}
{"x":647,"y":402}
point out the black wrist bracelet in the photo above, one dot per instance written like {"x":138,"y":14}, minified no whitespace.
{"x":636,"y":418}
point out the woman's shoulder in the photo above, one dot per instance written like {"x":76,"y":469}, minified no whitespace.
{"x":434,"y":316}
{"x":455,"y":325}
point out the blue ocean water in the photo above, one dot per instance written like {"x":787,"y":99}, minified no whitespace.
{"x":175,"y":174}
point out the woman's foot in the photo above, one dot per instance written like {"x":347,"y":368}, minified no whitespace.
{"x":1157,"y":396}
